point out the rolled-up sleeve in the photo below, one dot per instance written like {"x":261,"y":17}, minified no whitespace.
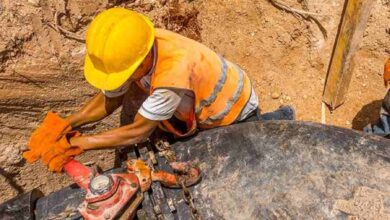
{"x":161,"y":104}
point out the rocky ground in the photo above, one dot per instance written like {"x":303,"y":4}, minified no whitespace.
{"x":287,"y":58}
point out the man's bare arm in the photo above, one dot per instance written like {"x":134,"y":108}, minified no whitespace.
{"x":134,"y":133}
{"x":96,"y":109}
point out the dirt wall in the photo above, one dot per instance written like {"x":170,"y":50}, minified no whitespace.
{"x":42,"y":70}
{"x":286,"y":57}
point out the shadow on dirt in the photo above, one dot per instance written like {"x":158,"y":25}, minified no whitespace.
{"x":131,"y":103}
{"x":368,"y":114}
{"x":10,"y":180}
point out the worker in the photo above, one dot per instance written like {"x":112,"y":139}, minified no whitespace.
{"x":189,"y":87}
{"x":382,"y":127}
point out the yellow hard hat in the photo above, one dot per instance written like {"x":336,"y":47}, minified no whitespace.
{"x":118,"y":40}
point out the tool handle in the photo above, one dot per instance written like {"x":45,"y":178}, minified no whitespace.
{"x":79,"y":173}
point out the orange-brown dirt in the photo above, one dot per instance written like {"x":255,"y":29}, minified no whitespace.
{"x":286,"y":57}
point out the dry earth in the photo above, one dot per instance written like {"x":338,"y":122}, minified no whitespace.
{"x":286,"y":57}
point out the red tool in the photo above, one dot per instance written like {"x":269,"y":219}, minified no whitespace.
{"x":112,"y":195}
{"x":107,"y":194}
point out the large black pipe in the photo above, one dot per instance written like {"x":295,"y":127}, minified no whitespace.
{"x":269,"y":170}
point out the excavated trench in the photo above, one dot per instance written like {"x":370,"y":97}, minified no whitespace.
{"x":286,"y":58}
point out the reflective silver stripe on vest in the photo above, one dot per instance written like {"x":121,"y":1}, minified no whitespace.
{"x":217,"y":88}
{"x":231,"y":101}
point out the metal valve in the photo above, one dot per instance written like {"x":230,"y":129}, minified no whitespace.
{"x":101,"y":184}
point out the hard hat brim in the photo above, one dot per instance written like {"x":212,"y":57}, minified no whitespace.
{"x":105,"y":81}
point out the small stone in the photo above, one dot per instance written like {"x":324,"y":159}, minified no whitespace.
{"x":275,"y":95}
{"x":148,"y":7}
{"x":10,"y":155}
{"x":34,"y":3}
{"x":89,"y":163}
{"x":287,"y":98}
{"x":79,"y":52}
{"x":305,"y":96}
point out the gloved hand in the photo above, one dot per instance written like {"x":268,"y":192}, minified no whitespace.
{"x":52,"y":128}
{"x":58,"y":162}
{"x":61,"y":152}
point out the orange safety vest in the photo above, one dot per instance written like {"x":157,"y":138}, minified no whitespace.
{"x":221,"y":89}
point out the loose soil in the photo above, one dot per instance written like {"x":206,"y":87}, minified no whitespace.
{"x":286,"y":57}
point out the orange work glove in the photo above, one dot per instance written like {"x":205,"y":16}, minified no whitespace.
{"x":51,"y":129}
{"x":57,"y":163}
{"x":61,"y":152}
{"x":386,"y":74}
